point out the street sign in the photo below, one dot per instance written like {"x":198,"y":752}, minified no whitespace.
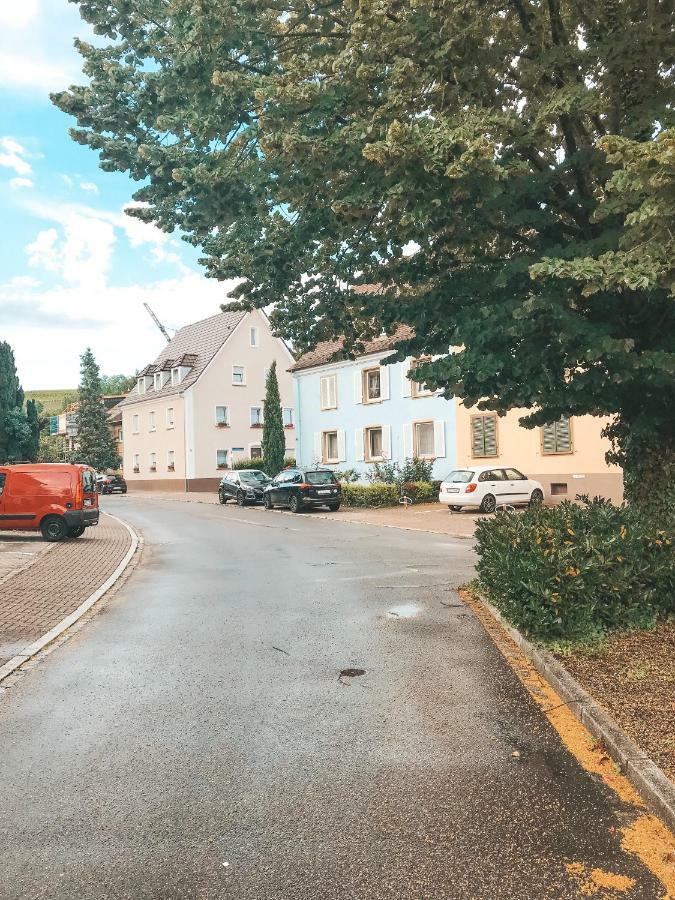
{"x":53,"y":424}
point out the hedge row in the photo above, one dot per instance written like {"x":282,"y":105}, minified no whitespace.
{"x":574,"y":572}
{"x":378,"y":495}
{"x":259,"y":463}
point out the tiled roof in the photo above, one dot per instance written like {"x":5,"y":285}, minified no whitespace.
{"x":195,"y":346}
{"x":331,"y":351}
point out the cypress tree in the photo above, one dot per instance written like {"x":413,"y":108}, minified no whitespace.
{"x":14,"y":429}
{"x":97,"y":447}
{"x":273,"y":437}
{"x":32,"y":419}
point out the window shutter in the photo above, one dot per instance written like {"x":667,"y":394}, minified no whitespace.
{"x":384,"y":382}
{"x":563,"y":434}
{"x":342,"y":448}
{"x":318,"y":450}
{"x":386,"y":441}
{"x":477,"y":436}
{"x":548,"y":438}
{"x":439,"y":438}
{"x":490,"y":435}
{"x":332,"y":391}
{"x":360,"y":452}
{"x":406,"y":386}
{"x":358,"y":387}
{"x":407,"y":441}
{"x":324,"y":392}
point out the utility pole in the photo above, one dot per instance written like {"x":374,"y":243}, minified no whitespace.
{"x":157,"y":322}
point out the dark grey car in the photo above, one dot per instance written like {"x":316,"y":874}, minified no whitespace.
{"x":243,"y":485}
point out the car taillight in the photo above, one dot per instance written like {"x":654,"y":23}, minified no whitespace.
{"x":79,"y":495}
{"x":470,"y":488}
{"x":304,"y":487}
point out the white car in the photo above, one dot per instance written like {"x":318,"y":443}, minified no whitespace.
{"x":488,"y":487}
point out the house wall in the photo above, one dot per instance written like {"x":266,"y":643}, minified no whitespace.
{"x":398,"y":412}
{"x":583,"y":471}
{"x":215,"y":388}
{"x":160,"y":441}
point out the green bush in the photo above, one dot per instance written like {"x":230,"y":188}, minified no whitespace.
{"x":259,"y":463}
{"x":377,"y":495}
{"x":574,"y":572}
{"x":347,"y":476}
{"x":391,"y":473}
{"x":421,"y":491}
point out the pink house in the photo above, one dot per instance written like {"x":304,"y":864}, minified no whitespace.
{"x":198,"y":408}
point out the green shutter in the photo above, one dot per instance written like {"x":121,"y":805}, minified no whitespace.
{"x":549,"y":438}
{"x":484,"y":435}
{"x":477,"y":436}
{"x":563,"y":435}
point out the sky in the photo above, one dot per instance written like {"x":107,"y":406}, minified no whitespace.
{"x":74,"y":269}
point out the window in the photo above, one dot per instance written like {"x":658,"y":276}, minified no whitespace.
{"x":256,"y":416}
{"x":256,"y":453}
{"x":514,"y":475}
{"x":238,"y":375}
{"x":329,"y":450}
{"x":424,"y":443}
{"x":484,"y":435}
{"x":153,"y":462}
{"x":158,"y":381}
{"x":136,"y":424}
{"x":417,"y":388}
{"x":373,"y":444}
{"x":175,"y":376}
{"x":171,"y":460}
{"x":371,"y":385}
{"x":222,"y":416}
{"x":151,"y":420}
{"x":222,"y":459}
{"x":140,"y":385}
{"x":253,"y":336}
{"x":557,"y":437}
{"x":328,"y":387}
{"x":492,"y":475}
{"x":3,"y":478}
{"x":137,"y":462}
{"x":288,"y":416}
{"x":169,"y":417}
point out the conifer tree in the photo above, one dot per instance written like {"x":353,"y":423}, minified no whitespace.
{"x":273,"y":437}
{"x":14,"y":429}
{"x":32,"y":445}
{"x":97,"y":447}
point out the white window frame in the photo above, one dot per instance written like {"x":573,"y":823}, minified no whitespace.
{"x":254,"y":336}
{"x":170,"y":420}
{"x":416,"y":440}
{"x":175,"y":376}
{"x":261,"y":417}
{"x":241,"y":383}
{"x":253,"y":447}
{"x":416,"y":388}
{"x":227,"y":459}
{"x":226,"y":419}
{"x":364,"y":389}
{"x":171,"y":460}
{"x":366,"y":443}
{"x":152,"y":425}
{"x":135,"y":424}
{"x":291,"y":410}
{"x":136,"y":460}
{"x":158,"y":381}
{"x":326,"y":382}
{"x":325,"y":458}
{"x":152,"y":461}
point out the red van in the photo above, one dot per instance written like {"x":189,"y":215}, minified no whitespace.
{"x":58,"y":499}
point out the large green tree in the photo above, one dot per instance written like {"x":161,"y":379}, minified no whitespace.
{"x":273,"y":436}
{"x":504,"y":169}
{"x":96,"y":444}
{"x":15,"y":432}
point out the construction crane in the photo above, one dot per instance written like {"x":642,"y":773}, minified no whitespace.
{"x":157,"y":322}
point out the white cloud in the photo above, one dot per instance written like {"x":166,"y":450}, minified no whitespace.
{"x":12,"y":156}
{"x":42,"y":252}
{"x":16,"y":183}
{"x":67,"y":180}
{"x":89,"y":186}
{"x":33,"y":72}
{"x":14,"y":14}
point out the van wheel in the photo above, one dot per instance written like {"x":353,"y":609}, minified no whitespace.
{"x":54,"y":528}
{"x":489,"y":504}
{"x":76,"y":532}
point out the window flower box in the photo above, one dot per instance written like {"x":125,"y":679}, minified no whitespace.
{"x":171,"y":468}
{"x":289,"y":426}
{"x":222,"y":424}
{"x":223,"y":466}
{"x":257,"y":425}
{"x":136,"y":470}
{"x":153,"y":468}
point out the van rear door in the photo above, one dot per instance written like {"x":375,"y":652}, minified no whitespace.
{"x":89,"y":494}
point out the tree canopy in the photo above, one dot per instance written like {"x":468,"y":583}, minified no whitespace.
{"x":504,"y":170}
{"x":18,"y":427}
{"x":96,"y":444}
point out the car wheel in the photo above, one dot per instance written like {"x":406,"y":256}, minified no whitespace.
{"x":54,"y":528}
{"x":76,"y":532}
{"x":537,"y":497}
{"x":124,"y":490}
{"x":222,"y":497}
{"x":333,"y":507}
{"x":267,"y":502}
{"x":294,"y":504}
{"x":489,"y":504}
{"x":455,"y":508}
{"x":241,"y":500}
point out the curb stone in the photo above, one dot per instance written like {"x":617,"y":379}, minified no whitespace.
{"x":648,"y":780}
{"x":33,"y":649}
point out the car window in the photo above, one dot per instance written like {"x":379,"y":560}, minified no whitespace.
{"x":515,"y":475}
{"x":253,"y":477}
{"x":3,"y":478}
{"x":286,"y":477}
{"x":88,"y":482}
{"x":459,"y":476}
{"x":319,"y":477}
{"x":492,"y":475}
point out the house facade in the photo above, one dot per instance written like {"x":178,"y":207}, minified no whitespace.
{"x":352,"y":413}
{"x":198,"y":408}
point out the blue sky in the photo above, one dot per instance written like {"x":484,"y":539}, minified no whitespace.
{"x":74,"y":269}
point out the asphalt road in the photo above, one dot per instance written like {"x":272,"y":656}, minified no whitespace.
{"x":195,"y":739}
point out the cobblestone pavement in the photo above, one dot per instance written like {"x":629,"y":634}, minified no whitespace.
{"x":432,"y":517}
{"x":18,"y":550}
{"x":34,"y":599}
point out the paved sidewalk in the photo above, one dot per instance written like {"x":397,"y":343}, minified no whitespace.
{"x":432,"y":517}
{"x":18,"y":551}
{"x":36,"y":598}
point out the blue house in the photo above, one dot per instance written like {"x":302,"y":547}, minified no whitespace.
{"x":352,"y":413}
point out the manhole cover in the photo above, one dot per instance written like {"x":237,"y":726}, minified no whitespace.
{"x":352,"y":673}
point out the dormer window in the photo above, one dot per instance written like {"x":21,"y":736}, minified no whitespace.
{"x":175,"y":379}
{"x":140,"y":385}
{"x":158,"y":381}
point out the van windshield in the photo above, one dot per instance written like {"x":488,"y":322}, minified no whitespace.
{"x":460,"y":476}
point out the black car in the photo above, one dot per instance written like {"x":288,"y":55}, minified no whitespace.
{"x":111,"y":483}
{"x":244,"y":486}
{"x":300,"y":489}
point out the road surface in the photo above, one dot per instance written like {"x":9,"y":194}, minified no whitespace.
{"x":196,"y":739}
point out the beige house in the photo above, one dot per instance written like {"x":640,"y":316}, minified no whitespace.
{"x":198,"y":408}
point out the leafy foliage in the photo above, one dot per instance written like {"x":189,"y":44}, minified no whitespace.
{"x":96,"y":444}
{"x":523,"y":150}
{"x":117,"y":384}
{"x":273,"y":442}
{"x":392,"y":473}
{"x":381,"y":494}
{"x":289,"y":462}
{"x":346,"y":476}
{"x":574,"y":572}
{"x":16,"y":434}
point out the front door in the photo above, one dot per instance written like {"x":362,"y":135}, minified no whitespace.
{"x":492,"y":482}
{"x":517,"y":486}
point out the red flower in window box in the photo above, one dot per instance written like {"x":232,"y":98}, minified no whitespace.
{"x":257,"y":425}
{"x":289,"y":426}
{"x":136,"y":470}
{"x":222,"y":424}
